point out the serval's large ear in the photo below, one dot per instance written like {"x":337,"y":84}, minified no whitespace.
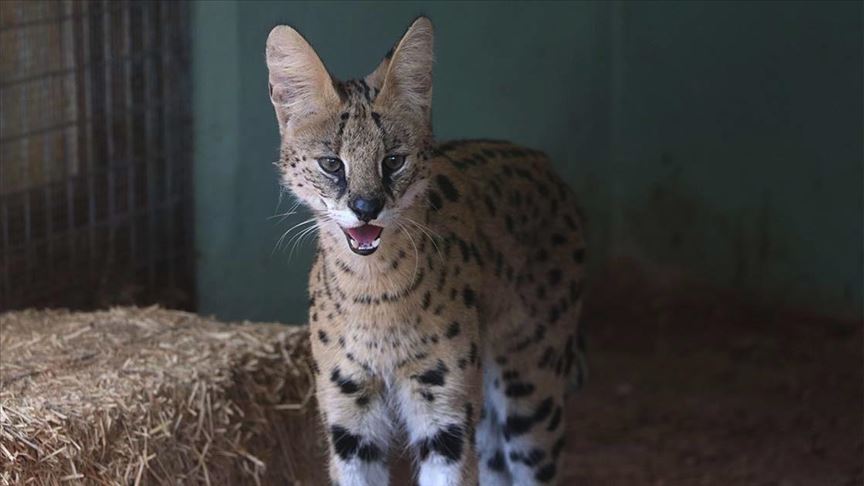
{"x":404,"y":77}
{"x":299,"y":83}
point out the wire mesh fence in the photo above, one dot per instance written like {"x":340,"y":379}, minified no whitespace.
{"x":95,"y":154}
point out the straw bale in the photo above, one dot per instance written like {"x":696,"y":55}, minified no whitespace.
{"x":151,"y":396}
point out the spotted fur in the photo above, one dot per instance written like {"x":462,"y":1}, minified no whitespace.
{"x":461,"y":326}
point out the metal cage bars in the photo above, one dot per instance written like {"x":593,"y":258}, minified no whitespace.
{"x":95,"y":154}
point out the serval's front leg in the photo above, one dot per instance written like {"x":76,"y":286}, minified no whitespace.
{"x":440,"y":398}
{"x":355,"y":417}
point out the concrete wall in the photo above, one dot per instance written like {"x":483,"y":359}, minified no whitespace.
{"x":719,"y":138}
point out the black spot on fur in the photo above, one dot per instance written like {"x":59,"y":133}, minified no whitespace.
{"x":376,"y":117}
{"x":369,"y":453}
{"x":517,"y":425}
{"x":558,"y":447}
{"x":344,"y":443}
{"x":466,"y":250}
{"x":558,"y":239}
{"x":508,"y":222}
{"x":541,"y":291}
{"x":365,"y":87}
{"x":543,"y":410}
{"x":539,"y":333}
{"x":509,"y":374}
{"x":323,"y":337}
{"x":490,"y":205}
{"x":496,"y":462}
{"x":476,"y":253}
{"x":554,"y":276}
{"x":579,"y":255}
{"x":520,"y":424}
{"x":448,"y":443}
{"x":468,"y":296}
{"x":569,"y":354}
{"x":435,"y":376}
{"x":452,"y":330}
{"x":427,"y":299}
{"x":542,"y":255}
{"x":545,"y":473}
{"x":548,"y":358}
{"x":556,"y":420}
{"x":345,"y":385}
{"x":435,"y":200}
{"x":447,"y":188}
{"x":516,"y":390}
{"x":472,"y":355}
{"x":531,"y":459}
{"x":427,"y":396}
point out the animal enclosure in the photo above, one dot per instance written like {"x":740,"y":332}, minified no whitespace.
{"x":151,"y":335}
{"x":95,"y":143}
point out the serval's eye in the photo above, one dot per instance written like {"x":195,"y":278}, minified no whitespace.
{"x":331,"y":165}
{"x":393,"y":163}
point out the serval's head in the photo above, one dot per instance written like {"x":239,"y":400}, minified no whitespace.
{"x":352,"y":151}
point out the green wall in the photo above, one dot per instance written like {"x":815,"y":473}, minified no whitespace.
{"x":720,"y":138}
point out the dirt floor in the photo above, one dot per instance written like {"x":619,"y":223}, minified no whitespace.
{"x":691,"y":390}
{"x":689,"y":387}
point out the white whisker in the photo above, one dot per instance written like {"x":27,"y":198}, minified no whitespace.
{"x":289,"y":230}
{"x":426,"y":231}
{"x":307,"y":232}
{"x":416,"y":252}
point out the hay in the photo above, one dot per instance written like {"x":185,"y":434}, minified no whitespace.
{"x":150,"y":396}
